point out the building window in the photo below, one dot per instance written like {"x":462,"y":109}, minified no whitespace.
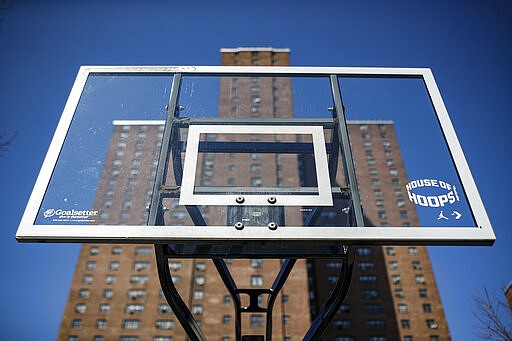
{"x":406,"y":324}
{"x":164,"y":324}
{"x":420,"y":279}
{"x":342,"y":324}
{"x":408,"y":338}
{"x":399,"y":293}
{"x":87,"y":279}
{"x":427,"y":308}
{"x":256,"y":181}
{"x":368,"y":152}
{"x":256,"y":321}
{"x":364,"y":251}
{"x":163,"y":338}
{"x":94,"y":250}
{"x":343,"y":338}
{"x":176,"y":279}
{"x":110,"y":279}
{"x":198,"y":294}
{"x":373,"y":308}
{"x":226,"y":319}
{"x":113,"y":266}
{"x":84,"y":293}
{"x":404,"y":214}
{"x":286,"y":319}
{"x":136,"y":293}
{"x":199,"y":280}
{"x":393,"y":171}
{"x":90,"y":265}
{"x":377,"y":192}
{"x":390,"y":251}
{"x":76,"y":323}
{"x":344,"y":309}
{"x":370,"y":293}
{"x":431,"y":324}
{"x":104,"y":308}
{"x":375,"y":324}
{"x":138,"y":279}
{"x":98,"y":338}
{"x":375,"y":182}
{"x":101,"y":324}
{"x":367,"y":279}
{"x":73,"y":338}
{"x":400,"y":203}
{"x":337,"y":265}
{"x":144,"y":251}
{"x":256,"y":263}
{"x":393,"y":265}
{"x":395,"y":279}
{"x":416,"y":265}
{"x":364,"y":265}
{"x":256,"y":167}
{"x":227,"y":299}
{"x":423,"y":293}
{"x":131,"y":324}
{"x":379,"y":202}
{"x":138,"y":266}
{"x":200,"y":266}
{"x":116,"y":250}
{"x":197,"y":309}
{"x":373,"y":171}
{"x":80,"y":308}
{"x":402,"y":308}
{"x":413,"y":251}
{"x":108,"y":293}
{"x":128,"y":338}
{"x":382,"y":214}
{"x":434,"y":338}
{"x":257,"y":280}
{"x":164,"y":309}
{"x":134,"y":308}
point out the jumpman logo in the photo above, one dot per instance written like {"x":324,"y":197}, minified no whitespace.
{"x":441,"y":216}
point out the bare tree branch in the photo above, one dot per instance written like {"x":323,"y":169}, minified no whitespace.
{"x":494,"y":316}
{"x":5,"y":140}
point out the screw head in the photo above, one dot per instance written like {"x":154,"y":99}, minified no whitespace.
{"x":272,"y":226}
{"x":272,"y":200}
{"x":240,"y":200}
{"x":239,"y":226}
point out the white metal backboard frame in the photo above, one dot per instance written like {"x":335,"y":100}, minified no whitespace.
{"x":482,"y":234}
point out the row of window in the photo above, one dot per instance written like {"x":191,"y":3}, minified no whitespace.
{"x":381,"y":324}
{"x":132,"y":308}
{"x":123,"y":338}
{"x":117,"y":250}
{"x":383,"y":338}
{"x":114,"y":265}
{"x":126,"y":324}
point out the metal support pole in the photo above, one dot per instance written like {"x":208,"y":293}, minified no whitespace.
{"x":173,"y":297}
{"x":339,"y":113}
{"x":334,"y":301}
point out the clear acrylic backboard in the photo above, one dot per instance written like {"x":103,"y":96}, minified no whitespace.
{"x":283,"y":154}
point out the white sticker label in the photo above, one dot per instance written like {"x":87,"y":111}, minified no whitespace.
{"x":70,"y":215}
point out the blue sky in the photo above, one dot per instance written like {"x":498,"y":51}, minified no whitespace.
{"x":42,"y":44}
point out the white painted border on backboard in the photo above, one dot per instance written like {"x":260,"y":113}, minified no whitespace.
{"x":188,"y":197}
{"x":481,"y":234}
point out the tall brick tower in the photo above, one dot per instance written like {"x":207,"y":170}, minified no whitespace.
{"x":115,"y":293}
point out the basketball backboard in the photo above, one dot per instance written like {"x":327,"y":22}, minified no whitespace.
{"x":283,"y":154}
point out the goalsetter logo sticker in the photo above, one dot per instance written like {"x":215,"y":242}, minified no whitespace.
{"x":432,"y":193}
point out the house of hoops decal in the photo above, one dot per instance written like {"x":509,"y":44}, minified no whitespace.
{"x":434,"y":193}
